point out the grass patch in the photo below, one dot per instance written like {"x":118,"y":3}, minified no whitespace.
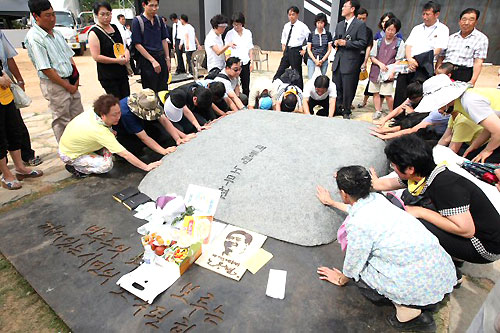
{"x":23,"y":310}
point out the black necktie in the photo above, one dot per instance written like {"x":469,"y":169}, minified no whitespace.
{"x":345,"y":27}
{"x":289,"y":35}
{"x":176,"y":27}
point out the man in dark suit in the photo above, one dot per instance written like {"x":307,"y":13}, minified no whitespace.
{"x":350,"y":39}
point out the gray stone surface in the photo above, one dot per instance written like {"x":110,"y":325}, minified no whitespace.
{"x":274,"y":192}
{"x":62,"y":267}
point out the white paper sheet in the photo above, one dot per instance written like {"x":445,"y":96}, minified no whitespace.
{"x":276,"y":284}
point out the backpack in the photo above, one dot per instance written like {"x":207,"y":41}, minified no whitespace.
{"x":212,"y":74}
{"x":133,"y":51}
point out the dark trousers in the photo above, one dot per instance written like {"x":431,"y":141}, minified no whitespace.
{"x":118,"y":88}
{"x":185,"y":126}
{"x":27,"y":153}
{"x":462,"y":73}
{"x":456,"y":246}
{"x":154,"y":129}
{"x":189,"y":56}
{"x":245,"y":79}
{"x":291,"y":58}
{"x":325,"y":104}
{"x":10,"y":129}
{"x":150,"y":79}
{"x":346,"y":89}
{"x":180,"y":59}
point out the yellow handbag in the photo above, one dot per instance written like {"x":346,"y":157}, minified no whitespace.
{"x":363,"y":75}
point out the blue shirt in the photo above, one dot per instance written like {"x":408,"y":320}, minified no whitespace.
{"x":129,"y":122}
{"x":153,"y":35}
{"x":438,"y":121}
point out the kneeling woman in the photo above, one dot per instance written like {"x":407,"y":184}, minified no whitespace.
{"x":389,"y":254}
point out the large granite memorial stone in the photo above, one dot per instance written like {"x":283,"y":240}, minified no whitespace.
{"x":267,"y":165}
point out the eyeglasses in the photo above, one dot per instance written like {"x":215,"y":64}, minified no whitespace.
{"x":237,"y":69}
{"x":470,"y":20}
{"x":105,"y":14}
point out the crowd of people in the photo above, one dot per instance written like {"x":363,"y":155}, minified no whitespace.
{"x":407,"y":250}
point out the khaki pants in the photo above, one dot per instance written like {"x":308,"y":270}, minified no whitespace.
{"x":63,"y":105}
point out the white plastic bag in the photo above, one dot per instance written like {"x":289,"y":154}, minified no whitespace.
{"x":21,"y":99}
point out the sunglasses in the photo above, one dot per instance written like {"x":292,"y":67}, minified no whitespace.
{"x":237,"y":69}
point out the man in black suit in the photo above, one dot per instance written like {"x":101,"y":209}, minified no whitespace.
{"x":350,"y":39}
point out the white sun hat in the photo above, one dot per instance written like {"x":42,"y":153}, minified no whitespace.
{"x":438,"y":91}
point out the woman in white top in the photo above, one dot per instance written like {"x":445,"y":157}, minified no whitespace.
{"x":244,"y":44}
{"x":214,"y":46}
{"x":189,"y":40}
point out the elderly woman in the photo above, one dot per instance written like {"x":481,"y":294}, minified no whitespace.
{"x":108,"y":50}
{"x":390,"y":254}
{"x":319,"y":46}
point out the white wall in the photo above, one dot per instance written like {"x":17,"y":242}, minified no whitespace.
{"x":212,"y":8}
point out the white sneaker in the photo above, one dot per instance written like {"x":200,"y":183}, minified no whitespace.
{"x":377,"y":115}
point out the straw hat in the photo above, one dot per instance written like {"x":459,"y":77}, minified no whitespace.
{"x":438,"y":91}
{"x":145,"y":105}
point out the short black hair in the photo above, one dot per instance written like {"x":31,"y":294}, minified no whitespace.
{"x":38,"y":6}
{"x":146,"y":2}
{"x":447,"y":67}
{"x":414,"y":90}
{"x":238,"y":17}
{"x":355,"y":4}
{"x":203,"y":95}
{"x":322,"y":81}
{"x":218,"y":19}
{"x":185,"y":18}
{"x":411,"y":151}
{"x":362,"y":11}
{"x":354,"y":180}
{"x":382,"y":18}
{"x":218,"y":90}
{"x":436,"y":8}
{"x":231,"y":61}
{"x":173,"y":16}
{"x":98,"y":4}
{"x":294,"y":9}
{"x":470,"y":11}
{"x":395,"y":22}
{"x":320,"y":17}
{"x":288,"y":103}
{"x":119,"y":16}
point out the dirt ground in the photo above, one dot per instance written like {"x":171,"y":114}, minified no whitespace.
{"x":22,"y":310}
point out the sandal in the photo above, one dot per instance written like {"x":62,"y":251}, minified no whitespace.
{"x":12,"y":185}
{"x":32,"y":174}
{"x":37,"y":160}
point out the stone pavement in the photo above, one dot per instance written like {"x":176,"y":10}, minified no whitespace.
{"x":455,"y":316}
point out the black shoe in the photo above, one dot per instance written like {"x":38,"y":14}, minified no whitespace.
{"x":346,"y":116}
{"x":77,"y":174}
{"x":459,"y":278}
{"x":423,"y":323}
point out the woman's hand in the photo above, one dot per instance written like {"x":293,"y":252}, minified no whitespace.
{"x":5,"y":81}
{"x":332,"y":275}
{"x":152,"y":166}
{"x":122,"y":60}
{"x":323,"y":195}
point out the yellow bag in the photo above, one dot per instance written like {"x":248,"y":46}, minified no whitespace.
{"x":363,"y":75}
{"x":6,"y":96}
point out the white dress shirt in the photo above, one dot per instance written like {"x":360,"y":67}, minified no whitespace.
{"x":244,"y":44}
{"x":462,"y":51}
{"x":188,"y":30}
{"x":423,"y":38}
{"x":300,"y":32}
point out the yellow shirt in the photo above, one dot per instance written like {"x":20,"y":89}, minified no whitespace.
{"x":464,"y":129}
{"x":85,"y":134}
